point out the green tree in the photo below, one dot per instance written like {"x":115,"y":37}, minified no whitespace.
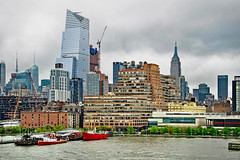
{"x":2,"y":130}
{"x":143,"y":131}
{"x":154,"y":130}
{"x":38,"y":130}
{"x":236,"y":131}
{"x":226,"y":131}
{"x":188,"y":130}
{"x":15,"y":130}
{"x":77,"y":127}
{"x":130,"y":130}
{"x":177,"y":130}
{"x":205,"y":131}
{"x":164,"y":130}
{"x":197,"y":131}
{"x":212,"y":131}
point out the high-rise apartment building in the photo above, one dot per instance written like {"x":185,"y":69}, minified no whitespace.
{"x":97,"y":83}
{"x":203,"y":91}
{"x":195,"y":93}
{"x":236,"y":94}
{"x":144,"y":81}
{"x":59,"y":88}
{"x":222,"y":87}
{"x":176,"y":66}
{"x":69,"y":64}
{"x":75,"y":43}
{"x":76,"y":87}
{"x":2,"y":76}
{"x":117,"y":66}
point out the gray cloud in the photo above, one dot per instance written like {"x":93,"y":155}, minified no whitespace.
{"x":207,"y":33}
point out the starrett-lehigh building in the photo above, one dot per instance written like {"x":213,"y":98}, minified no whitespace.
{"x":138,"y":93}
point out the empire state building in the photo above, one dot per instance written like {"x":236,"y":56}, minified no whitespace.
{"x":176,"y":66}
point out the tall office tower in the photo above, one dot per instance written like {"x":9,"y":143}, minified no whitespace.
{"x":117,"y":66}
{"x":236,"y":94}
{"x":203,"y":91}
{"x":97,"y":83}
{"x":170,"y":90}
{"x":145,"y":81}
{"x":59,"y":85}
{"x":75,"y":43}
{"x":182,"y":87}
{"x":175,"y":66}
{"x":222,"y":87}
{"x":2,"y":76}
{"x":195,"y":93}
{"x":94,"y":63}
{"x":76,"y":87}
{"x":34,"y":74}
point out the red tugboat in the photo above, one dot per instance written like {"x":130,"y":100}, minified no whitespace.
{"x":94,"y":136}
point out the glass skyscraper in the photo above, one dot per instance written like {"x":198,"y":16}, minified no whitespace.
{"x":117,"y":66}
{"x":203,"y":91}
{"x":75,"y":43}
{"x":34,"y":74}
{"x":175,"y":66}
{"x":2,"y":76}
{"x":236,"y":94}
{"x":222,"y":86}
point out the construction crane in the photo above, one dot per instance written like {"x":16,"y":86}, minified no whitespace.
{"x":34,"y":89}
{"x":16,"y":107}
{"x":99,"y":47}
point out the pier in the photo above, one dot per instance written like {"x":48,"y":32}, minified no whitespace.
{"x":234,"y":146}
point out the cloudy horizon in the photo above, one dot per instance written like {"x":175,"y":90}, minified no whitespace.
{"x":207,"y":34}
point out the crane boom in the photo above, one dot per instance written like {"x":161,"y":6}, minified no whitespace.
{"x":99,"y":46}
{"x":16,"y":107}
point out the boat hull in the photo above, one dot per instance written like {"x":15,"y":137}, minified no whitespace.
{"x":41,"y":143}
{"x":92,"y":136}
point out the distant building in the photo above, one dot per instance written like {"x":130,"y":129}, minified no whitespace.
{"x":69,"y":64}
{"x":117,"y":111}
{"x":41,"y":119}
{"x":75,"y":43}
{"x":195,"y":93}
{"x":26,"y":103}
{"x":59,"y":88}
{"x":171,"y":92}
{"x":203,"y":91}
{"x":222,"y":107}
{"x":183,"y":87}
{"x":2,"y":76}
{"x":110,"y":86}
{"x":97,"y":83}
{"x":34,"y":74}
{"x":45,"y":82}
{"x":94,"y":59}
{"x":236,"y":94}
{"x":76,"y":87}
{"x":175,"y":69}
{"x":222,"y":87}
{"x":117,"y":66}
{"x":186,"y":107}
{"x":45,"y":87}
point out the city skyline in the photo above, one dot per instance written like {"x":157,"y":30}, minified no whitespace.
{"x":206,"y":32}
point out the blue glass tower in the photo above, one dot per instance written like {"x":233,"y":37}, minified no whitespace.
{"x":117,"y":66}
{"x":75,"y":43}
{"x":203,"y":91}
{"x":76,"y":87}
{"x":34,"y":74}
{"x":175,"y":69}
{"x":222,"y":86}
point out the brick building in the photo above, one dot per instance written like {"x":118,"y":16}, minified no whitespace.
{"x":222,"y":107}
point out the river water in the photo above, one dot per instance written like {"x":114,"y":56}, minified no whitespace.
{"x":136,"y":148}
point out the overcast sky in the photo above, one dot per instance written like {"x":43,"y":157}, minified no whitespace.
{"x":207,"y":33}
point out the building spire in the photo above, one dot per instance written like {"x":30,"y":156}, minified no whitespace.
{"x":175,"y":51}
{"x":16,"y":62}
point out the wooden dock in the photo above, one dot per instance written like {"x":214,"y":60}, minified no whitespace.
{"x":234,"y":146}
